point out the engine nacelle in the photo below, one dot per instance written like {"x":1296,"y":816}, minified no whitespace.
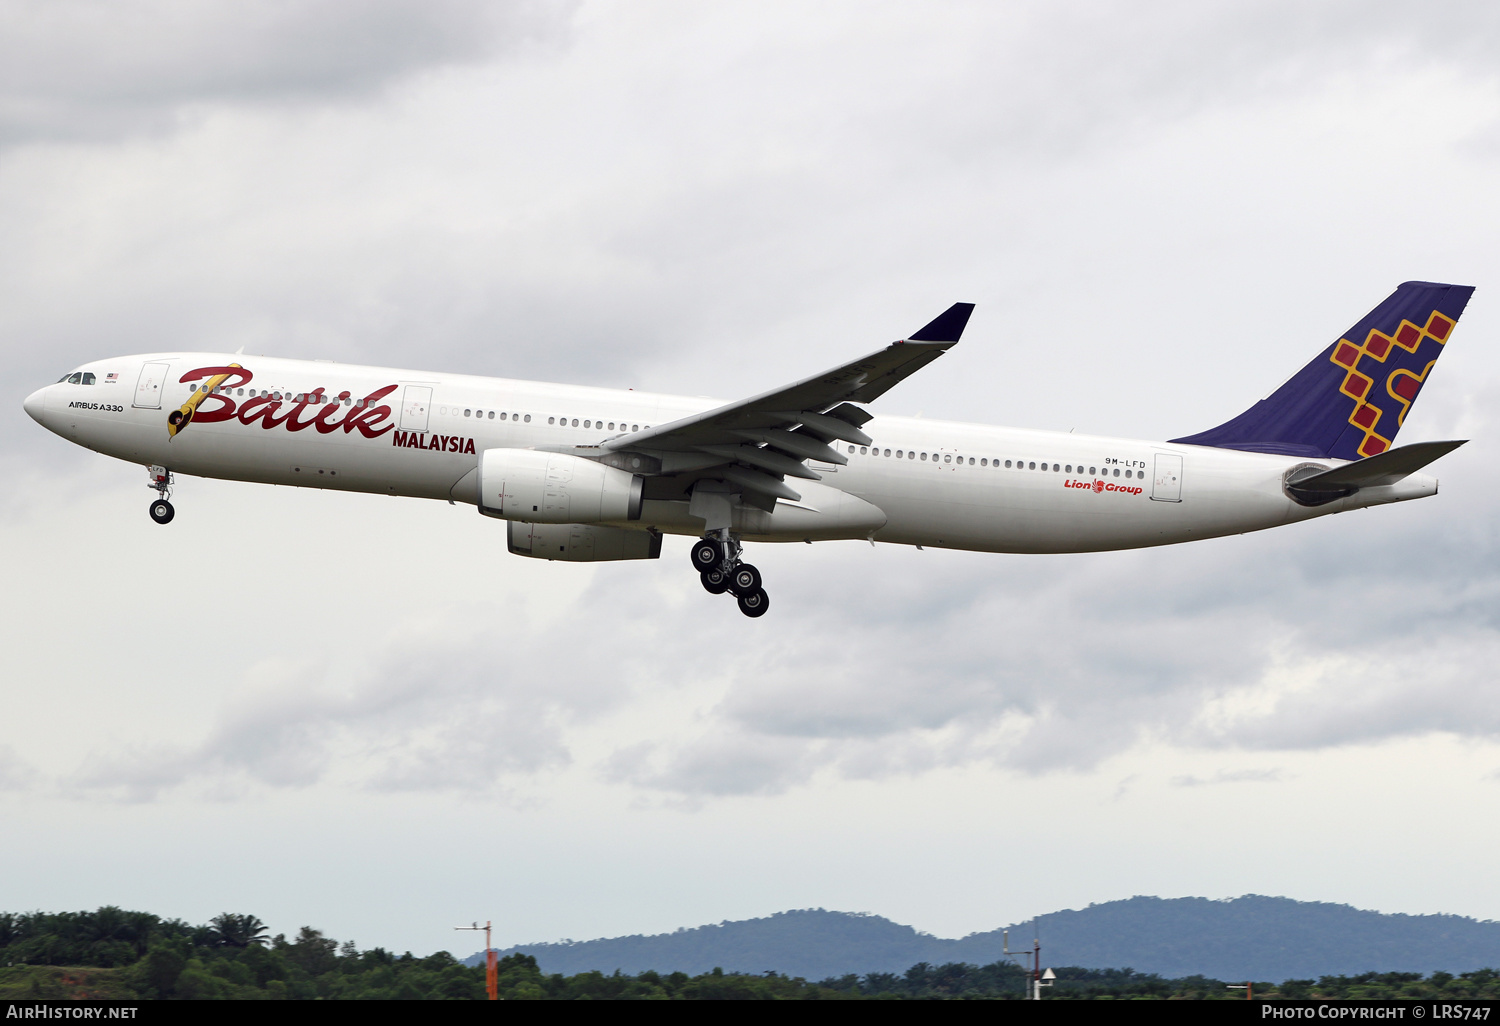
{"x":554,"y":488}
{"x":582,"y":543}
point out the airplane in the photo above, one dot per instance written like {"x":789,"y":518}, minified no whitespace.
{"x":587,"y":474}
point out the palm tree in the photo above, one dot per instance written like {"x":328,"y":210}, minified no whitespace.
{"x":236,"y":931}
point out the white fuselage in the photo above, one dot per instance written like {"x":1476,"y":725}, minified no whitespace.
{"x":953,"y":485}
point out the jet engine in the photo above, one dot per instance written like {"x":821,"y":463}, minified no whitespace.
{"x":582,"y":543}
{"x":554,"y":488}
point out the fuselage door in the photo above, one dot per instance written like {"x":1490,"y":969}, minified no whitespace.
{"x":415,"y":403}
{"x":1166,"y":485}
{"x":149,"y":386}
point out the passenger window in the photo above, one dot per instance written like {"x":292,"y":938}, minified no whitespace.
{"x":634,"y":427}
{"x":947,"y":459}
{"x":575,"y":421}
{"x":851,"y":450}
{"x":1033,"y":466}
{"x":864,"y":451}
{"x":586,"y":424}
{"x":1117,"y":472}
{"x":528,"y":419}
{"x":1092,"y":472}
{"x":924,"y":456}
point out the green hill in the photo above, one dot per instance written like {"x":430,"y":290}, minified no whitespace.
{"x":1253,"y":936}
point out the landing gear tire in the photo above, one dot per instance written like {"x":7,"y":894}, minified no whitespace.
{"x":706,"y":555}
{"x":162,"y":511}
{"x":756,"y":603}
{"x":744,"y":579}
{"x":715,"y":582}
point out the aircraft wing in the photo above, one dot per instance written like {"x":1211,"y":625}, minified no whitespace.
{"x":756,"y":443}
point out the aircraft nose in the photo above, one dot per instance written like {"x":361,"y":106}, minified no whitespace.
{"x":36,"y":403}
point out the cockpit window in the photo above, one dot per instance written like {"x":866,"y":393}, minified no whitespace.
{"x":75,"y":377}
{"x":88,"y":378}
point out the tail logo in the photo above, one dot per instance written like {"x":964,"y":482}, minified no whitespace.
{"x":1401,"y":383}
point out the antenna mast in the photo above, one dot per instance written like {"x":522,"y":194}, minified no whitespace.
{"x":491,"y":974}
{"x":1038,"y":979}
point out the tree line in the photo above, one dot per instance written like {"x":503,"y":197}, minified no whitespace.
{"x":113,"y":953}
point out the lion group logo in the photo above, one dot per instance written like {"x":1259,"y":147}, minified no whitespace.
{"x":1384,"y":373}
{"x":1098,"y":487}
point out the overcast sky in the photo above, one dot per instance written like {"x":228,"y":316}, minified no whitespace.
{"x":363,"y":714}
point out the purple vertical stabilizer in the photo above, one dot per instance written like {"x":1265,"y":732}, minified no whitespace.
{"x":1350,"y":401}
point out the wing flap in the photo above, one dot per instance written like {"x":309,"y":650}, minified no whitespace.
{"x":775,"y":462}
{"x":798,"y":445}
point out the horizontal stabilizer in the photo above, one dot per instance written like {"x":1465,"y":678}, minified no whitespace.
{"x":1308,"y":486}
{"x":1385,"y":469}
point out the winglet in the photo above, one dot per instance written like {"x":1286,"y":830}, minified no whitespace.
{"x":948,"y":326}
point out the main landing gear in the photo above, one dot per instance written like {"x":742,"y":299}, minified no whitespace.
{"x":161,"y":510}
{"x":717,"y":560}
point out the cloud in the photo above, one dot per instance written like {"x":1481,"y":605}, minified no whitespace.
{"x":15,"y":774}
{"x":417,"y":720}
{"x":1269,"y":776}
{"x":91,"y":70}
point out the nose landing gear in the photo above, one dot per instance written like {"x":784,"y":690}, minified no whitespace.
{"x":717,"y":560}
{"x":161,"y":480}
